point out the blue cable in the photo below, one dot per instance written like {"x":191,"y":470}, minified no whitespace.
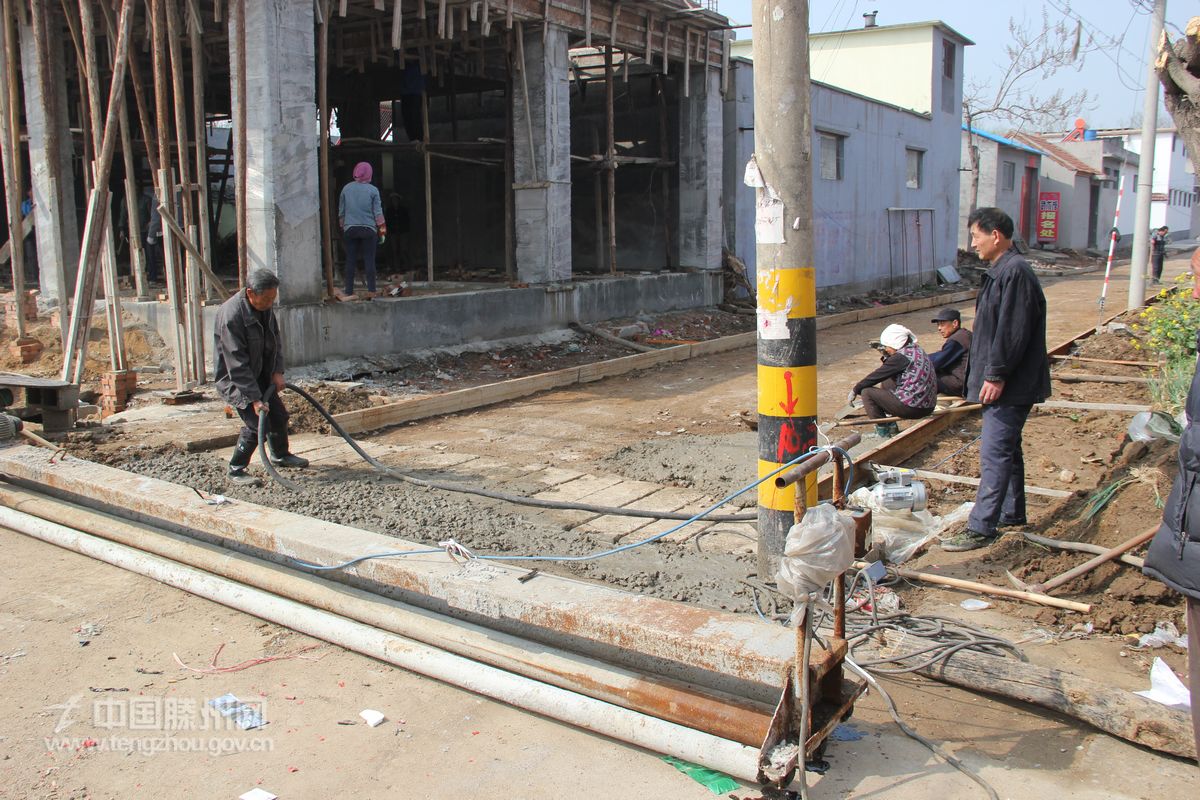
{"x":612,"y":551}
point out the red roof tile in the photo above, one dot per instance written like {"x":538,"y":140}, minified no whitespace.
{"x":1055,"y":152}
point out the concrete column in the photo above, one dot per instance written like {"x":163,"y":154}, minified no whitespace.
{"x":700,"y":140}
{"x":50,"y":163}
{"x":542,"y":178}
{"x":283,"y":192}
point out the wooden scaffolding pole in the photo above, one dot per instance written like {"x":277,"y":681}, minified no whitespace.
{"x":428,"y":187}
{"x":137,"y":250}
{"x":190,"y":296}
{"x":165,"y":189}
{"x":237,"y":20}
{"x":112,"y":294}
{"x":97,"y":207}
{"x":610,"y":158}
{"x":509,"y":262}
{"x":199,"y":123}
{"x":323,"y":107}
{"x":10,"y":152}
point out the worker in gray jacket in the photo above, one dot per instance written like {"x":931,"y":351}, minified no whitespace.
{"x":248,"y":361}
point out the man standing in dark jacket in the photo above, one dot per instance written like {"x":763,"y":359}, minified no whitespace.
{"x":249,"y":360}
{"x":951,"y":361}
{"x":1009,"y":371}
{"x":1174,"y":554}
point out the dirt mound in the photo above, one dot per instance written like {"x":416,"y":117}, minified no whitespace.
{"x":303,"y":418}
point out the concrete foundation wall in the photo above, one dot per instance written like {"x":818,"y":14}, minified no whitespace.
{"x":319,"y":332}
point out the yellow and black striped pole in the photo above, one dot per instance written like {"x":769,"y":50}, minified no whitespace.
{"x":786,"y":277}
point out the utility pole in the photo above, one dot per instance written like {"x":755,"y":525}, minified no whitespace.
{"x":786,"y":278}
{"x":1145,"y":181}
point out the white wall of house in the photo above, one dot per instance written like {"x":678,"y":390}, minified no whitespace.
{"x":859,"y":60}
{"x":1075,"y":202}
{"x":1001,"y":172}
{"x":1173,"y":182}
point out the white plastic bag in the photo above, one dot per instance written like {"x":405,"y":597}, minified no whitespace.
{"x":899,"y":534}
{"x":817,"y":549}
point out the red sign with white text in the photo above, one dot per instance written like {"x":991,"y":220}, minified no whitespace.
{"x":1047,"y":221}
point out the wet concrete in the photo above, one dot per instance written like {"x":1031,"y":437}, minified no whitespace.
{"x":363,"y":499}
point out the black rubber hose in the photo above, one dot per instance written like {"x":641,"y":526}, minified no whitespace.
{"x":495,"y":495}
{"x":262,"y":443}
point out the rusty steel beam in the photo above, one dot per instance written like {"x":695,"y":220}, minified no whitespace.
{"x":718,"y":651}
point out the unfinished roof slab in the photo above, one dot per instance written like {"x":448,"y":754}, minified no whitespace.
{"x":718,"y":650}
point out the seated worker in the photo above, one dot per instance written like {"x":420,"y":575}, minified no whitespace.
{"x":902,"y":386}
{"x":950,"y":363}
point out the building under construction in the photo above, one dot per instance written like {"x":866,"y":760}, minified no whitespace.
{"x":568,"y":153}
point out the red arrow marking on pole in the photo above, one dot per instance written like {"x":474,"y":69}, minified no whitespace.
{"x":789,"y":407}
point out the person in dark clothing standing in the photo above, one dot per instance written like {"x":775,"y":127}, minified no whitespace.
{"x":1008,"y":372}
{"x":902,"y":386}
{"x":1158,"y":251}
{"x":1174,"y":554}
{"x":248,"y":354}
{"x":951,"y":361}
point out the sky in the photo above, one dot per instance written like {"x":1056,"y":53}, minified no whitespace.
{"x":1115,"y":77}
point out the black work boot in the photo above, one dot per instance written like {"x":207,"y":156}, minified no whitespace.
{"x":242,"y":453}
{"x":277,"y":446}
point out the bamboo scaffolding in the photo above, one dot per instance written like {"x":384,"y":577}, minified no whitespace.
{"x":108,"y":255}
{"x":428,"y":187}
{"x":98,"y":203}
{"x":10,"y":153}
{"x":238,"y":33}
{"x":165,"y":190}
{"x":610,"y":165}
{"x":199,"y":122}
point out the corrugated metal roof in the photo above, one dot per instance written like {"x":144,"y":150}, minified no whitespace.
{"x":1006,"y":142}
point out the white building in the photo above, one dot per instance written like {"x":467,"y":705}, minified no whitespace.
{"x":884,"y":153}
{"x":1009,"y":174}
{"x":1174,"y":189}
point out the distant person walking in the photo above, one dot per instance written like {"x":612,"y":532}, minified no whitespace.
{"x":1009,"y":371}
{"x":360,"y":215}
{"x":1174,"y":554}
{"x":1158,"y":252}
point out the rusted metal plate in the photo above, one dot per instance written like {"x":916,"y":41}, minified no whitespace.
{"x":716,"y":650}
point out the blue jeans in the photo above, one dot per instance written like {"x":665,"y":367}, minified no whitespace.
{"x":360,"y":241}
{"x":1001,"y":492}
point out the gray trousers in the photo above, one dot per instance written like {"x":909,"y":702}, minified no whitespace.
{"x":1001,"y":492}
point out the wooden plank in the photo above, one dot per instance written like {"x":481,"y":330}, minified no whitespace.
{"x":724,"y":344}
{"x":451,"y":402}
{"x":1151,"y":364}
{"x":967,"y":481}
{"x":1067,"y":377}
{"x":896,"y":450}
{"x":1115,"y":711}
{"x":620,"y":366}
{"x":1068,"y":405}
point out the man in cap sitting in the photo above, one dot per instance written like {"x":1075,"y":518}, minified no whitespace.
{"x":950,"y":362}
{"x":902,"y":386}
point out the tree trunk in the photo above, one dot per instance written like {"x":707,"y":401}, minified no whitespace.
{"x":1178,"y":66}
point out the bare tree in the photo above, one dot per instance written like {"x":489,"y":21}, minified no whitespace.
{"x":1035,"y":54}
{"x":1178,"y":66}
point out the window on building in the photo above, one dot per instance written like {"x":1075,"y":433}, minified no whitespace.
{"x":948,"y":50}
{"x":1008,"y":175}
{"x":914,"y":162}
{"x":832,"y":154}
